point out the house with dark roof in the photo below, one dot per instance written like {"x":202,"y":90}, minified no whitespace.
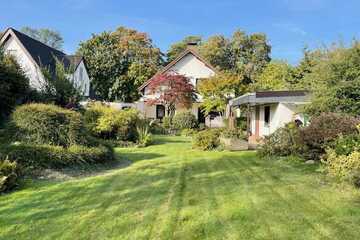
{"x":266,"y":111}
{"x":190,"y":64}
{"x":33,"y":55}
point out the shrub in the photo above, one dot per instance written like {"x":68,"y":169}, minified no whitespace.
{"x":109,"y":123}
{"x":9,"y":173}
{"x":13,"y":84}
{"x":166,"y":123}
{"x":344,"y":167}
{"x":31,"y":155}
{"x":325,"y":129}
{"x":184,"y":120}
{"x":345,"y":145}
{"x":188,"y":132}
{"x":207,"y":139}
{"x":48,"y":124}
{"x":156,"y":127}
{"x":233,"y":133}
{"x":283,"y":142}
{"x":143,"y":134}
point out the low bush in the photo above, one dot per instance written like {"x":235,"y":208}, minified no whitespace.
{"x":345,"y":145}
{"x":283,"y":142}
{"x":50,"y":156}
{"x":156,"y":127}
{"x":166,"y":123}
{"x":207,"y":139}
{"x":109,"y":123}
{"x":233,"y":133}
{"x":9,"y":173}
{"x":47,"y":124}
{"x":188,"y":132}
{"x":324,"y":130}
{"x":184,"y":120}
{"x":345,"y":167}
{"x":143,"y":133}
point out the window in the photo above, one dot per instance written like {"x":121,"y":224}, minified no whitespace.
{"x":160,"y":112}
{"x":267,"y":115}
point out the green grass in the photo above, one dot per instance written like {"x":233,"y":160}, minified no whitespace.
{"x":173,"y":192}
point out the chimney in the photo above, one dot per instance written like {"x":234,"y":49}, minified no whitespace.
{"x":192,"y":45}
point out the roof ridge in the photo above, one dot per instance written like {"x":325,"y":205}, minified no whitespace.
{"x":36,"y":40}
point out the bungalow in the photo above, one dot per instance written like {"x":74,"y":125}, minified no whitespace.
{"x":190,"y":64}
{"x":33,"y":55}
{"x":267,"y":111}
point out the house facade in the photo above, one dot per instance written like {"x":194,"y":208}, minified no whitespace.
{"x":267,"y":111}
{"x":190,"y":64}
{"x":33,"y":55}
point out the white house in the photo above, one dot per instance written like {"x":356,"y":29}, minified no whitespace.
{"x":32,"y":55}
{"x":270,"y":110}
{"x":190,"y":64}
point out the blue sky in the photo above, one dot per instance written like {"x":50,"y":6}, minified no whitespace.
{"x":289,"y":24}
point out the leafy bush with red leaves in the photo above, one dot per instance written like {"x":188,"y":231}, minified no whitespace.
{"x":324,"y":130}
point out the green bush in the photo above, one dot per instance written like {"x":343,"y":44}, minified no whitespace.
{"x":48,"y":124}
{"x":109,"y":123}
{"x":233,"y":133}
{"x":9,"y":173}
{"x":324,"y":130}
{"x":143,"y":133}
{"x":188,"y":132}
{"x":283,"y":142}
{"x":33,"y":155}
{"x":183,"y":120}
{"x":166,"y":123}
{"x":345,"y":145}
{"x":207,"y":139}
{"x":156,"y":127}
{"x":345,"y":167}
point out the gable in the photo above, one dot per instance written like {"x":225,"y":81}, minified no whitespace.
{"x":192,"y":67}
{"x":30,"y":68}
{"x":189,"y":64}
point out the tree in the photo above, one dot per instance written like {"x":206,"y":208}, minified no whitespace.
{"x":218,"y":90}
{"x":58,"y":87}
{"x":176,"y":48}
{"x":277,"y":75}
{"x":335,"y":80}
{"x":13,"y":84}
{"x":172,"y":90}
{"x":217,"y":51}
{"x":119,"y":62}
{"x":47,"y":36}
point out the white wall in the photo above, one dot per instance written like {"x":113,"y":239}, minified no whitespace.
{"x":280,"y":115}
{"x":31,"y":70}
{"x":82,"y":82}
{"x":191,"y":67}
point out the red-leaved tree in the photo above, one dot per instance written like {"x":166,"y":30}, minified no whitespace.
{"x":171,"y":90}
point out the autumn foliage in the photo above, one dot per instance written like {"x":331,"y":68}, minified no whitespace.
{"x":171,"y":90}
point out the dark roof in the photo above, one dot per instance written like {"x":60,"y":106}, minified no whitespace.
{"x":298,"y":96}
{"x":43,"y":54}
{"x":296,"y":93}
{"x":189,"y":50}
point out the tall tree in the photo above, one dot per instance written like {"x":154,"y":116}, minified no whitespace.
{"x":277,"y":75}
{"x":176,"y":91}
{"x":218,"y":90}
{"x":119,"y":62}
{"x":176,"y":48}
{"x":217,"y":51}
{"x":47,"y":36}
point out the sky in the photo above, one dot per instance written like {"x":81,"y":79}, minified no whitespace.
{"x":290,"y":25}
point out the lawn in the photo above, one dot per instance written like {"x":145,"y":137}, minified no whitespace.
{"x":173,"y":192}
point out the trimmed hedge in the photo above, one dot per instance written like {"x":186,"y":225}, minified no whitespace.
{"x":31,"y":155}
{"x":207,"y":139}
{"x":109,"y":123}
{"x":9,"y":173}
{"x":48,"y":124}
{"x":184,"y":120}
